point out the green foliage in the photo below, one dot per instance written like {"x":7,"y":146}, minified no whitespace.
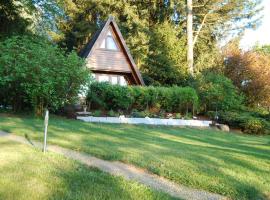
{"x":108,"y":96}
{"x":11,"y":19}
{"x":178,"y":116}
{"x":253,"y":126}
{"x":248,"y":122}
{"x":166,"y":62}
{"x":156,"y":34}
{"x":147,"y":99}
{"x":97,"y":113}
{"x":265,"y":49}
{"x":28,"y":16}
{"x":217,"y":93}
{"x":112,"y":113}
{"x":36,"y":74}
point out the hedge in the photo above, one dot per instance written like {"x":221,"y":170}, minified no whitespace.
{"x":248,"y":122}
{"x":154,"y":99}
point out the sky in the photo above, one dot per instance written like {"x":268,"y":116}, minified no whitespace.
{"x":261,"y":34}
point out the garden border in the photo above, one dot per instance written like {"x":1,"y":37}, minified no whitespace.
{"x":146,"y":120}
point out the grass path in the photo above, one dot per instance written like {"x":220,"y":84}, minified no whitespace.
{"x":28,"y":174}
{"x":233,"y":165}
{"x":127,"y":171}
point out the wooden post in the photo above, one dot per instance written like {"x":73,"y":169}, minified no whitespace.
{"x":190,"y":37}
{"x":46,"y":121}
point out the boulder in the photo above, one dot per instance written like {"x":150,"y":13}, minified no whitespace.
{"x":223,"y":127}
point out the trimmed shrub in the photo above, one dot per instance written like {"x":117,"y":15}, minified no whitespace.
{"x":109,"y":97}
{"x":151,"y":99}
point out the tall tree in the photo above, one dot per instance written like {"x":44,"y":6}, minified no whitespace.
{"x":250,"y":72}
{"x":190,"y":37}
{"x":11,"y":18}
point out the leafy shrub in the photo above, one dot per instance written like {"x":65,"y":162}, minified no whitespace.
{"x":97,"y":113}
{"x":217,"y":92}
{"x":36,"y":74}
{"x":148,"y":99}
{"x":139,"y":114}
{"x":109,"y":97}
{"x":178,"y":116}
{"x":245,"y":121}
{"x":253,"y":126}
{"x":111,"y":113}
{"x":188,"y":116}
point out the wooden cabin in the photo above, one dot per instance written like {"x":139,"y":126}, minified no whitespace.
{"x":108,"y":57}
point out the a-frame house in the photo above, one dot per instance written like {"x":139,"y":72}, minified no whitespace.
{"x":108,"y":57}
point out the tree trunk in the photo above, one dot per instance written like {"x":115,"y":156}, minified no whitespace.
{"x":190,"y":37}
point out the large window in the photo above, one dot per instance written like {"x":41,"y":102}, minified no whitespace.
{"x":109,"y":42}
{"x":113,"y":79}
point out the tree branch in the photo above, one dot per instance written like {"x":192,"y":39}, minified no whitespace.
{"x":200,"y":28}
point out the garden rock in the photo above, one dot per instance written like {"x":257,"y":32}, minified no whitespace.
{"x":223,"y":127}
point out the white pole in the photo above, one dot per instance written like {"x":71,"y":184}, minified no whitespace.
{"x":46,"y":120}
{"x":190,"y":58}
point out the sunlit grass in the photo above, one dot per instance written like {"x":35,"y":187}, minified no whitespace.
{"x":26,"y":173}
{"x":230,"y":164}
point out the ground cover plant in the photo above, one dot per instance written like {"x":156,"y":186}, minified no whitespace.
{"x":234,"y":165}
{"x":26,"y":173}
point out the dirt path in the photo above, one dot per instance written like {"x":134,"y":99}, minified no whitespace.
{"x":127,"y":171}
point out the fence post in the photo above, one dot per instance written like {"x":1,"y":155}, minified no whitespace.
{"x":46,"y":121}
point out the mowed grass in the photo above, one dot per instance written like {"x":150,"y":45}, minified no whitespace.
{"x":27,"y":173}
{"x":230,"y":164}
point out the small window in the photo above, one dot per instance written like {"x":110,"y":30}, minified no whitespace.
{"x":122,"y":81}
{"x":102,"y":44}
{"x":109,"y":42}
{"x":103,"y":78}
{"x":114,"y":80}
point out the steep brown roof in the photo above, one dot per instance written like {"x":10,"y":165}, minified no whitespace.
{"x":89,"y":47}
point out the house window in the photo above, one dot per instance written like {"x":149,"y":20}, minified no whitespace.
{"x":109,"y":42}
{"x":113,"y":79}
{"x":122,"y":81}
{"x":103,"y":78}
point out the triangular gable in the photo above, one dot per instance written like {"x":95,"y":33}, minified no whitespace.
{"x":96,"y":43}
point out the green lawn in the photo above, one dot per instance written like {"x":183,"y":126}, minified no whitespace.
{"x":27,"y":173}
{"x":230,"y":164}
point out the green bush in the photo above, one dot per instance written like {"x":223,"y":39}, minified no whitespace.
{"x":97,"y":113}
{"x":178,"y":116}
{"x":36,"y":74}
{"x":139,"y":114}
{"x":109,"y":97}
{"x":148,"y":99}
{"x":217,"y":92}
{"x":246,"y":121}
{"x":112,"y":113}
{"x":253,"y":126}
